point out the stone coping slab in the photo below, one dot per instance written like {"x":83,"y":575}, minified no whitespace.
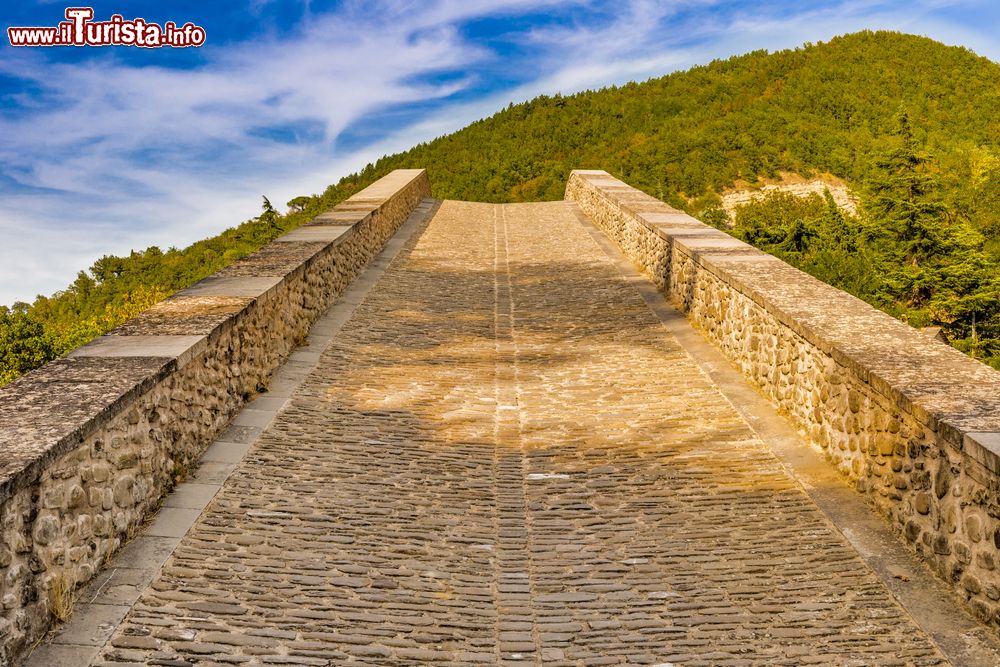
{"x":326,"y":233}
{"x":185,"y":316}
{"x":180,"y":348}
{"x":984,"y":447}
{"x":388,"y":185}
{"x":746,"y":256}
{"x":661,"y":218}
{"x":215,"y":285}
{"x":674,"y":230}
{"x":344,"y":217}
{"x":276,"y":259}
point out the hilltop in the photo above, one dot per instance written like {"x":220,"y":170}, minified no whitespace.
{"x":908,"y":123}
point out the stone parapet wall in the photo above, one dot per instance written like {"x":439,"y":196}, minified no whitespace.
{"x":913,"y":423}
{"x":89,"y":444}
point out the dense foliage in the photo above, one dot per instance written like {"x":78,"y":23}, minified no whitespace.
{"x":911,"y":124}
{"x":911,"y":253}
{"x":117,"y":288}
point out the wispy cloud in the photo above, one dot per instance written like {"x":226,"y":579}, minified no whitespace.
{"x":150,"y":151}
{"x":104,"y":155}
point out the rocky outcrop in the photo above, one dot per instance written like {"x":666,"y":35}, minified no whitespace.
{"x":845,"y":199}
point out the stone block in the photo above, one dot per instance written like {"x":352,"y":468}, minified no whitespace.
{"x":251,"y":287}
{"x":313,"y":233}
{"x":181,"y":348}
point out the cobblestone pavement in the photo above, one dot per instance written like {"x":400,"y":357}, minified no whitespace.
{"x":504,"y":458}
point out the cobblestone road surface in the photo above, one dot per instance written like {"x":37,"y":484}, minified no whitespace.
{"x":504,"y":458}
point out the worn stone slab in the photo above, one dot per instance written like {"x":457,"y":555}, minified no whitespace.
{"x":985,"y":448}
{"x":355,"y":204}
{"x":387,"y":185}
{"x":245,"y":286}
{"x":185,"y":316}
{"x":687,"y":232}
{"x":267,"y":401}
{"x":173,"y":521}
{"x":607,"y":182}
{"x":191,"y":495}
{"x":92,"y":626}
{"x":313,"y":233}
{"x":216,"y":471}
{"x":276,"y":259}
{"x":118,"y":586}
{"x":225,"y":452}
{"x":144,"y":552}
{"x":309,"y":355}
{"x":697,"y":243}
{"x":256,"y":418}
{"x":293,"y":371}
{"x":50,"y":655}
{"x":337,"y":218}
{"x":240,"y":433}
{"x":181,"y":348}
{"x":346,"y":213}
{"x":659,"y":218}
{"x":721,"y":259}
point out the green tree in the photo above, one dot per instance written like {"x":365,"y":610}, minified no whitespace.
{"x":297,"y":204}
{"x":24,"y":345}
{"x":903,"y":196}
{"x":269,"y":216}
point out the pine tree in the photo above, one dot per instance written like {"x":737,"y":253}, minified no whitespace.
{"x":903,"y":196}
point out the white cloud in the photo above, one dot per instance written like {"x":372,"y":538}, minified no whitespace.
{"x":117,"y":156}
{"x":127,"y":156}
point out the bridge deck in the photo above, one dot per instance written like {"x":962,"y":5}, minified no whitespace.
{"x":504,"y":457}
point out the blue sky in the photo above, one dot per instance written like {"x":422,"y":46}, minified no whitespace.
{"x":108,"y":149}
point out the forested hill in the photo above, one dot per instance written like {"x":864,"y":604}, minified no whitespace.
{"x":912,"y":125}
{"x":820,"y":107}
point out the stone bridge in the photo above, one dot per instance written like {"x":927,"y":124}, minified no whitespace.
{"x":585,"y":432}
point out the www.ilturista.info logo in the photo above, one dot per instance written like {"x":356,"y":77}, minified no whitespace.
{"x":80,"y":30}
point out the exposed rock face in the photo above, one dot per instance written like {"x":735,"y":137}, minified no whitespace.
{"x":845,"y":199}
{"x":913,"y":423}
